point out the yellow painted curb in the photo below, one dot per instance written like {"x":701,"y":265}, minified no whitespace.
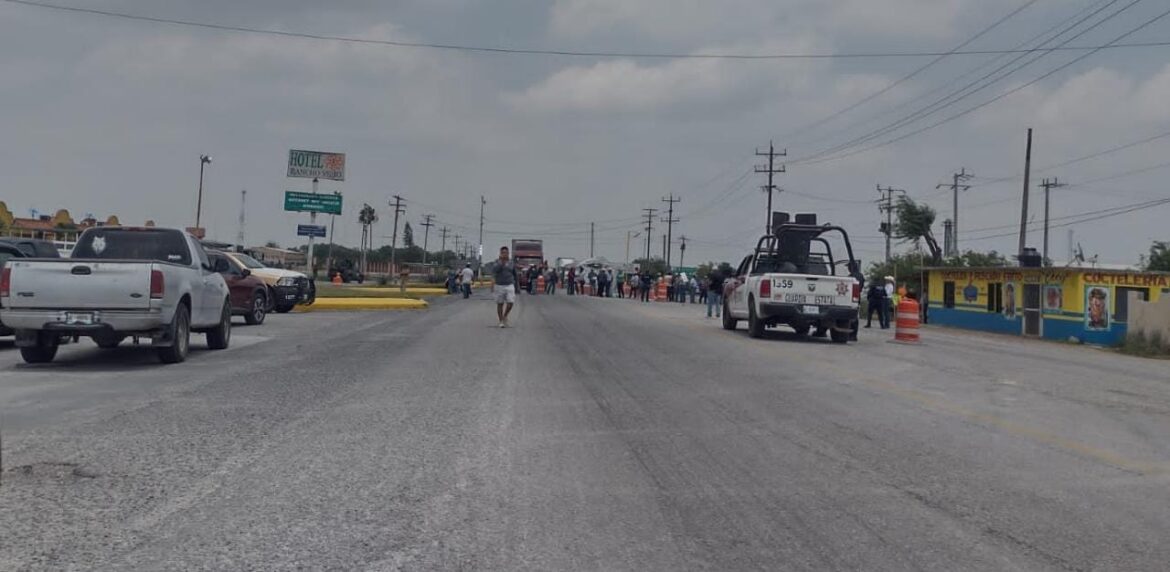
{"x":409,"y":290}
{"x":327,"y":304}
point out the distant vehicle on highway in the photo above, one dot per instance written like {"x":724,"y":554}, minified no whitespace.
{"x":249,"y":293}
{"x":147,"y":282}
{"x":286,"y":288}
{"x":32,"y":247}
{"x":793,"y":277}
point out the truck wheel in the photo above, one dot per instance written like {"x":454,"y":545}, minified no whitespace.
{"x":43,"y":352}
{"x":219,"y":337}
{"x":729,"y":323}
{"x":259,"y":310}
{"x":180,"y":337}
{"x":108,"y":342}
{"x":839,"y":337}
{"x":755,"y":324}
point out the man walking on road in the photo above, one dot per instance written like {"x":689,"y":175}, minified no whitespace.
{"x":465,"y":277}
{"x":715,"y":293}
{"x":504,"y":287}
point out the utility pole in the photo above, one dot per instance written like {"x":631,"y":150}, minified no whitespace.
{"x":443,"y":251}
{"x":243,"y":208}
{"x":682,"y":250}
{"x":669,"y":220}
{"x":664,"y":252}
{"x":458,"y":253}
{"x":1048,"y":185}
{"x":332,"y":227}
{"x":428,"y":222}
{"x":955,"y":186}
{"x":397,"y":204}
{"x":590,"y":240}
{"x":479,"y":255}
{"x":947,"y":237}
{"x":649,"y":229}
{"x":771,"y":170}
{"x":886,"y":205}
{"x":1024,"y":205}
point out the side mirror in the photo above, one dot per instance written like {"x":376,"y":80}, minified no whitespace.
{"x":246,"y":272}
{"x":221,"y":266}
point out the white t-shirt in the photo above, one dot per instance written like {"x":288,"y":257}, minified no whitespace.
{"x":466,"y":275}
{"x":889,"y":289}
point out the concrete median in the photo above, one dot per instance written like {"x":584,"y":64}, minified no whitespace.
{"x":349,"y":304}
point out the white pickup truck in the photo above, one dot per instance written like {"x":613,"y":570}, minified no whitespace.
{"x":120,"y":281}
{"x":793,"y":279}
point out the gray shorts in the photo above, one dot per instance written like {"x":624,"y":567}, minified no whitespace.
{"x":505,"y":294}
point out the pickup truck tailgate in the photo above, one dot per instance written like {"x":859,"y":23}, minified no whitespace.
{"x":80,"y":284}
{"x":813,"y":290}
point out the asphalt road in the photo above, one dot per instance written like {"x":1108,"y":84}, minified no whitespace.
{"x":594,"y":435}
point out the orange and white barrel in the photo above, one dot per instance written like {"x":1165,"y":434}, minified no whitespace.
{"x":906,"y":324}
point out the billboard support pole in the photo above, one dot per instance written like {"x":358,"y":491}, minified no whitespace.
{"x":312,"y":221}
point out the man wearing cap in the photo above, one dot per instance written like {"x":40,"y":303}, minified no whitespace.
{"x":887,"y":302}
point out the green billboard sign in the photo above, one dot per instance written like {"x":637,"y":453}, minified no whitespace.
{"x":310,"y":202}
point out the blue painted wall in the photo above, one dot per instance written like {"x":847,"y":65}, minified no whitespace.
{"x":1053,"y":328}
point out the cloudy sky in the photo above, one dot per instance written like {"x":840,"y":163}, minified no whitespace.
{"x":109,"y":116}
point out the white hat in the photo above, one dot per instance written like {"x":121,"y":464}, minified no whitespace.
{"x":889,"y":278}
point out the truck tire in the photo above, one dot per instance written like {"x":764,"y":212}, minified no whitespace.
{"x":180,"y":337}
{"x":43,"y":352}
{"x":839,"y":337}
{"x":219,"y":337}
{"x":755,"y":324}
{"x":729,"y":323}
{"x":259,"y":309}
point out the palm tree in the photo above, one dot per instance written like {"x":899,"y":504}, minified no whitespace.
{"x":366,"y":217}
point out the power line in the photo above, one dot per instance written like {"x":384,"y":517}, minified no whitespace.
{"x":1106,"y":215}
{"x":554,"y":52}
{"x":1042,"y":39}
{"x":912,"y":74}
{"x":971,"y":88}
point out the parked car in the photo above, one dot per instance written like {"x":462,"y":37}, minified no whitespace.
{"x":155,"y":283}
{"x":33,"y":248}
{"x":286,"y":288}
{"x":249,"y":294}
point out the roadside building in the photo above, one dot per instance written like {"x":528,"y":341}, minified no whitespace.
{"x":1088,"y":304}
{"x":58,"y":228}
{"x":279,"y":257}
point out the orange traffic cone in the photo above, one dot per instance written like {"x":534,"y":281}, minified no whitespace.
{"x":540,"y":285}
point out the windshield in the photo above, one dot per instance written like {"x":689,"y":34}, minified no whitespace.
{"x":247,"y":261}
{"x":134,"y":244}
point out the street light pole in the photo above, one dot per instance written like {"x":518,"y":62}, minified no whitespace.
{"x":628,"y":237}
{"x":203,"y":160}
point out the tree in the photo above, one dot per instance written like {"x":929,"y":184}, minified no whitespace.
{"x":408,"y":236}
{"x":973,"y":259}
{"x":1159,"y":258}
{"x":915,"y":224}
{"x":906,"y":268}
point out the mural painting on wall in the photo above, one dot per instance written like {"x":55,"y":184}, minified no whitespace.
{"x":970,"y":292}
{"x":1009,"y":300}
{"x":1053,"y":299}
{"x":1096,"y":309}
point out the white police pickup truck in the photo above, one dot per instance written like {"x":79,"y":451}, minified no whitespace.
{"x":150,"y":282}
{"x":795,"y":278}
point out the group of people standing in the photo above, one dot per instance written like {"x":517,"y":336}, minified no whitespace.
{"x":880,"y":299}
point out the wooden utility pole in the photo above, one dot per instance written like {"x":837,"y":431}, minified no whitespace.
{"x":771,"y":170}
{"x":886,"y":205}
{"x":669,"y":220}
{"x":649,"y":229}
{"x":590,"y":240}
{"x":1024,"y":204}
{"x":398,"y":209}
{"x":428,"y":222}
{"x":443,"y":251}
{"x":1048,"y":185}
{"x":957,"y":178}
